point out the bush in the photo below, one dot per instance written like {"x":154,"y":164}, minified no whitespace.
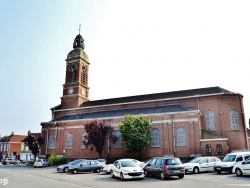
{"x":54,"y":160}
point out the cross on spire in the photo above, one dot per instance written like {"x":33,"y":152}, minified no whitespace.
{"x":79,"y":29}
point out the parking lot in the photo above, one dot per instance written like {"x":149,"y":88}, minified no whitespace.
{"x":24,"y":176}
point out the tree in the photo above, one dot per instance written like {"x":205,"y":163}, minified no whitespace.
{"x":34,"y":143}
{"x":136,"y":132}
{"x":97,"y":133}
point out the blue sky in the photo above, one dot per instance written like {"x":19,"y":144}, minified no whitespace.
{"x":134,"y":46}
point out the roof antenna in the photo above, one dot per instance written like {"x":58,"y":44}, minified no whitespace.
{"x":79,"y":29}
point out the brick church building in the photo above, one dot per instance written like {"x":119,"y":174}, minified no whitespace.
{"x":186,"y":123}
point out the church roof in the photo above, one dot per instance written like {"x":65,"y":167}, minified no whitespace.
{"x":209,"y":91}
{"x":159,"y":96}
{"x":121,"y":112}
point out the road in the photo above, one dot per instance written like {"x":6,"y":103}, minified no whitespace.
{"x":14,"y":176}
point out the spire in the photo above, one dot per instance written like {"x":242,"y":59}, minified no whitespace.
{"x":79,"y":41}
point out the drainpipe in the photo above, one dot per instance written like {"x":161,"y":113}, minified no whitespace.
{"x":173,"y":129}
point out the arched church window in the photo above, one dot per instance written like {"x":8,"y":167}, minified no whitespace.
{"x":181,"y":137}
{"x":210,"y":121}
{"x":69,"y":141}
{"x":155,"y":137}
{"x":72,"y":73}
{"x":208,"y":149}
{"x":219,"y":148}
{"x":118,"y":143}
{"x":234,"y":120}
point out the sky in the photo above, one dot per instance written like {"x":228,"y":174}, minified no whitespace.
{"x":135,"y":47}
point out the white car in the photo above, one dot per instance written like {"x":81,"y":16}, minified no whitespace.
{"x":101,"y":162}
{"x":230,"y":160}
{"x":106,"y":168}
{"x":242,"y":168}
{"x":41,"y":163}
{"x":201,"y":164}
{"x":126,"y":169}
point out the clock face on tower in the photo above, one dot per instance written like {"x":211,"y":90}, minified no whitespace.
{"x":70,"y":90}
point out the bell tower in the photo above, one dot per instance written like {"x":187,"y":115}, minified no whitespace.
{"x":75,"y":89}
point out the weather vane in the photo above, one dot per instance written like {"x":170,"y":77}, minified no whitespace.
{"x":79,"y":28}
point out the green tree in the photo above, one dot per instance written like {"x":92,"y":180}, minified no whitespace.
{"x":34,"y":144}
{"x":97,"y":133}
{"x":136,"y":132}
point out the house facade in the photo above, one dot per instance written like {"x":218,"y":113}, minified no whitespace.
{"x":10,"y":146}
{"x":186,"y":123}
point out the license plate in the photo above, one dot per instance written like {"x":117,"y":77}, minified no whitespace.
{"x":218,"y":168}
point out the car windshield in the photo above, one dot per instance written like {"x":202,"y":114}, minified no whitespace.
{"x":75,"y":162}
{"x":175,"y":161}
{"x":229,"y":158}
{"x":128,"y":164}
{"x":195,"y":160}
{"x":101,"y":160}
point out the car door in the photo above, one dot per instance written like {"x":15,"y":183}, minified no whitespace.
{"x":158,"y":166}
{"x":116,"y":168}
{"x":210,"y":161}
{"x":203,"y":165}
{"x":245,"y":167}
{"x":151,"y":167}
{"x":84,"y":166}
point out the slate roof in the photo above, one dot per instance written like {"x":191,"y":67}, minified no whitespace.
{"x":122,"y":112}
{"x":156,"y":96}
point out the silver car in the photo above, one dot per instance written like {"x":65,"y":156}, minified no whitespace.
{"x":65,"y":167}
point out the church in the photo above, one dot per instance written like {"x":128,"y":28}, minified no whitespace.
{"x":197,"y":122}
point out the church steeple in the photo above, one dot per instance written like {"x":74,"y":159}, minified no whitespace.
{"x":75,"y":89}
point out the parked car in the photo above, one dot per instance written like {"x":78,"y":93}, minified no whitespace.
{"x":228,"y":162}
{"x":143,"y":164}
{"x":201,"y":164}
{"x":126,"y":169}
{"x":65,"y":167}
{"x":106,"y":168}
{"x":242,"y":168}
{"x":41,"y":163}
{"x":102,"y":162}
{"x":85,"y":166}
{"x":164,"y":167}
{"x":10,"y":161}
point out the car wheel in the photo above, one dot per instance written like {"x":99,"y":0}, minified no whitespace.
{"x":98,"y":170}
{"x":196,"y":170}
{"x":66,"y":169}
{"x":112,"y":174}
{"x":238,"y":172}
{"x":74,"y":171}
{"x":218,"y":172}
{"x":163,"y":177}
{"x":121,"y":176}
{"x":181,"y":176}
{"x":146,"y":173}
{"x":34,"y":166}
